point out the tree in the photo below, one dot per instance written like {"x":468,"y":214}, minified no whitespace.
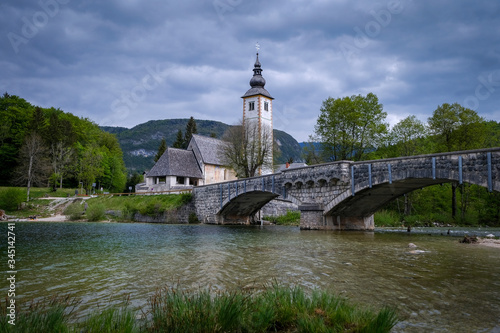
{"x":91,"y":166}
{"x":179,"y":141}
{"x":190,"y":130}
{"x":405,"y":136}
{"x":457,"y":128}
{"x":350,"y":127}
{"x":161,"y":149}
{"x":247,"y":149}
{"x":32,"y":166}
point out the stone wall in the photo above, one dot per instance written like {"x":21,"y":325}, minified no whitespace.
{"x":176,"y":216}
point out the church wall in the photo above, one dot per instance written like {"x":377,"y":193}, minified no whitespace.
{"x":216,"y":174}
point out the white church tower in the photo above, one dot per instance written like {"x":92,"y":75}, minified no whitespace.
{"x":258,"y":111}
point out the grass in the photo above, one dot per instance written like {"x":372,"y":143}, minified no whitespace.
{"x":290,"y":218}
{"x":274,"y":309}
{"x":145,"y":204}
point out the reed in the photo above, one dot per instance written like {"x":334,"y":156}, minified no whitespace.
{"x":274,"y":309}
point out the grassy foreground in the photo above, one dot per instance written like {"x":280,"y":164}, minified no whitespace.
{"x":276,"y":309}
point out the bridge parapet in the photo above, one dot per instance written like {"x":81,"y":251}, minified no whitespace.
{"x":345,"y":194}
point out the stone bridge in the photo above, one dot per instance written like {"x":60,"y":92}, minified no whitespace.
{"x":344,"y":195}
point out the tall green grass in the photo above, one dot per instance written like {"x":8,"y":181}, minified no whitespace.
{"x":274,"y":309}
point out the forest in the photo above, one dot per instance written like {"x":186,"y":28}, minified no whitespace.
{"x":48,"y":147}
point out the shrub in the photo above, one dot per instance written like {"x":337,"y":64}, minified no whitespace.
{"x":193,"y":218}
{"x":387,"y":218}
{"x":96,"y":212}
{"x":74,"y":211}
{"x":290,"y":218}
{"x":11,"y":198}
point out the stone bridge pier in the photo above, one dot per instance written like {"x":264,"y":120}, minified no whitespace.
{"x":345,"y":195}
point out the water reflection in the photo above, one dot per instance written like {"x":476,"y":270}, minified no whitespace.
{"x":449,"y":287}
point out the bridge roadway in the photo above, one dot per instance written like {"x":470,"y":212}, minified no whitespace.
{"x":344,"y":195}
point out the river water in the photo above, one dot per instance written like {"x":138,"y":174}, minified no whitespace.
{"x":451,"y":287}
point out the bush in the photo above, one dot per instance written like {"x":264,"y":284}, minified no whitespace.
{"x":74,"y":211}
{"x":11,"y":198}
{"x":387,"y":218}
{"x":96,"y":212}
{"x":290,"y":218}
{"x":193,"y":218}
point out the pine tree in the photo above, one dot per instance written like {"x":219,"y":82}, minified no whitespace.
{"x":161,"y":149}
{"x":190,"y":130}
{"x":179,"y":141}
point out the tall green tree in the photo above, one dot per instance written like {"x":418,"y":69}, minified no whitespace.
{"x":350,"y":127}
{"x":457,"y":128}
{"x":406,"y":136}
{"x":190,"y":130}
{"x":179,"y":141}
{"x":161,"y":149}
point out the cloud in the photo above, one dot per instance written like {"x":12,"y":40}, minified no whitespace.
{"x":85,"y":58}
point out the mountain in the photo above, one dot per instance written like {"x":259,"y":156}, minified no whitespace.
{"x":140,"y":143}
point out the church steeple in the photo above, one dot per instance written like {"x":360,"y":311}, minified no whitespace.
{"x":258,"y":110}
{"x":257,"y":82}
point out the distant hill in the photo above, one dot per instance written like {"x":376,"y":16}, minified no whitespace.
{"x":140,"y":143}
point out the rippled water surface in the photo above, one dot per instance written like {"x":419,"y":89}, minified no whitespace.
{"x":450,"y":287}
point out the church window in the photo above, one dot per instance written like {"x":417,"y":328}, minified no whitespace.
{"x":266,"y":106}
{"x":251,"y":106}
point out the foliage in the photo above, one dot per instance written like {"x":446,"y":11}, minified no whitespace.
{"x":387,"y":218}
{"x":290,"y":218}
{"x":457,"y":128}
{"x":11,"y":198}
{"x":96,"y":212}
{"x":179,"y":140}
{"x":275,"y":309}
{"x":46,"y":315}
{"x":74,"y":211}
{"x":161,"y":149}
{"x":193,"y":218}
{"x":350,"y":127}
{"x":145,"y":204}
{"x":56,"y":143}
{"x":190,"y":130}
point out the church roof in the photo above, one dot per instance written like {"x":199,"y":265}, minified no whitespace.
{"x":209,"y":148}
{"x":257,"y":82}
{"x":176,"y":162}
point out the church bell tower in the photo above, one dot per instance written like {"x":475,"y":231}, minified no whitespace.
{"x":258,"y":111}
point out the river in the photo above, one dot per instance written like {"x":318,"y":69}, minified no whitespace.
{"x":451,"y":287}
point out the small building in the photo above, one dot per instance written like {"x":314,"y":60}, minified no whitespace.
{"x":208,"y":155}
{"x":179,"y":169}
{"x":176,"y":169}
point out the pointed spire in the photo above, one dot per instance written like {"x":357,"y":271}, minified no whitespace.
{"x":257,"y":82}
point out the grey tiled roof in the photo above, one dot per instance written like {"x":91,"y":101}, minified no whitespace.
{"x":176,"y":162}
{"x":257,"y":91}
{"x":210,"y":149}
{"x":283,"y":167}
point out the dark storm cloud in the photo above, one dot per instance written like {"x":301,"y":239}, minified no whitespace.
{"x":126,"y":62}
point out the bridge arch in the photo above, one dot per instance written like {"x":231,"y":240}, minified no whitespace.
{"x":243,"y":207}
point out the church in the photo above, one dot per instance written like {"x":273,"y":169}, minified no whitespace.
{"x":201,"y":163}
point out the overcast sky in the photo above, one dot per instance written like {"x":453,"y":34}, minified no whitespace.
{"x":125,"y":62}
